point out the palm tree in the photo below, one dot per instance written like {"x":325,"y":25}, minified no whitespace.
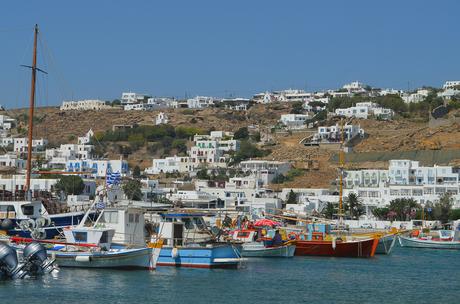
{"x":354,"y":206}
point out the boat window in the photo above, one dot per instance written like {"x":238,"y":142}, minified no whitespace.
{"x":27,"y":210}
{"x":188,"y":223}
{"x":109,"y":217}
{"x":137,"y":218}
{"x":131,"y":218}
{"x":7,"y":208}
{"x":80,"y":236}
{"x":104,"y":237}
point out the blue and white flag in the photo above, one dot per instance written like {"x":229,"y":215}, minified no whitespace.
{"x":113,"y":178}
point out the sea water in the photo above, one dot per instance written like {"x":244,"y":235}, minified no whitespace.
{"x":406,"y":276}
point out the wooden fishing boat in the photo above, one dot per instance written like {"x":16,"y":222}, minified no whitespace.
{"x":437,"y":239}
{"x":258,"y":249}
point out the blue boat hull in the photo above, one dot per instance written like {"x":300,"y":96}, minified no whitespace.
{"x":215,"y":256}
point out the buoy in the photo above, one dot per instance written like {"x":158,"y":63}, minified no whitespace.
{"x":174,"y":253}
{"x":334,"y":244}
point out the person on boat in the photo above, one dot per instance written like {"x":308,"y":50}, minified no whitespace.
{"x":277,"y":239}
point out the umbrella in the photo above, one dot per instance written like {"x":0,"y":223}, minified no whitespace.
{"x":266,"y":222}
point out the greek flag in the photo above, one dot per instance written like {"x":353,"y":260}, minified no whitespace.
{"x":100,"y":205}
{"x":113,"y":178}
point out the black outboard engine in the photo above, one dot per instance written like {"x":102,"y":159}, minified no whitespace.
{"x":35,"y":259}
{"x":9,"y":266}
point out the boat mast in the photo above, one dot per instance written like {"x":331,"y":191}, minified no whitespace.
{"x":31,"y":110}
{"x":341,"y":165}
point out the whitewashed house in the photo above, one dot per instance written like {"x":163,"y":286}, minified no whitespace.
{"x":334,"y":133}
{"x":131,"y":98}
{"x":81,"y":105}
{"x":200,"y":102}
{"x":364,"y":110}
{"x":162,"y":118}
{"x":20,"y":144}
{"x":6,"y":122}
{"x":294,"y":121}
{"x":13,"y":161}
{"x":97,"y":168}
{"x":265,"y":170}
{"x":212,"y":150}
{"x":174,"y":164}
{"x":86,"y":139}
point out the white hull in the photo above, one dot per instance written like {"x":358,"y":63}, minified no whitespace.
{"x":417,"y":243}
{"x":258,"y":250}
{"x":122,"y":259}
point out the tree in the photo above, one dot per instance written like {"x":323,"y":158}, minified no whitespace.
{"x":353,"y":205}
{"x":132,"y":190}
{"x":137,"y":172}
{"x":203,"y":174}
{"x":70,"y":184}
{"x":329,"y":211}
{"x":241,"y":133}
{"x":292,"y":198}
{"x":381,"y":213}
{"x":403,"y":208}
{"x":297,"y":107}
{"x":443,"y":208}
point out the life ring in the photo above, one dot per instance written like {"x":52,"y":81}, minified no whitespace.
{"x":293,"y":236}
{"x":415,"y":233}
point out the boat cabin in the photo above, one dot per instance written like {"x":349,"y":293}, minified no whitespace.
{"x":245,"y":236}
{"x":177,"y":229}
{"x":101,"y":237}
{"x":128,"y":224}
{"x":21,"y":210}
{"x":317,"y":231}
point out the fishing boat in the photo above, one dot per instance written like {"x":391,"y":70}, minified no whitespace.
{"x":256,"y":245}
{"x":258,"y":249}
{"x":318,"y":241}
{"x":115,"y":240}
{"x":187,"y":242}
{"x":435,"y":239}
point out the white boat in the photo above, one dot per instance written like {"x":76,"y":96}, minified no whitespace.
{"x":437,"y":239}
{"x":257,"y":249}
{"x":115,"y":240}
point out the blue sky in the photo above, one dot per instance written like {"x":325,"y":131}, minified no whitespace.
{"x":97,"y":49}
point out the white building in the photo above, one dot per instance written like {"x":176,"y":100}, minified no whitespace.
{"x":58,"y":157}
{"x":88,"y":104}
{"x":294,"y":121}
{"x":364,"y":109}
{"x":97,"y":168}
{"x":131,"y":97}
{"x":354,"y":87}
{"x":6,"y":122}
{"x":418,"y":96}
{"x":6,"y":141}
{"x":157,"y":103}
{"x":11,"y":160}
{"x":174,"y":164}
{"x":333,"y":133}
{"x":265,"y":170}
{"x":451,"y":85}
{"x":86,"y":139}
{"x":200,"y":102}
{"x":20,"y":144}
{"x":264,"y":98}
{"x":161,"y":118}
{"x":17,"y":183}
{"x":211,"y":150}
{"x":138,"y":107}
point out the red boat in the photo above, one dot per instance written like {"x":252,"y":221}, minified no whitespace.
{"x":356,"y":249}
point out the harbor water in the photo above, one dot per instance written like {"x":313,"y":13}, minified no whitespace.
{"x":406,"y":276}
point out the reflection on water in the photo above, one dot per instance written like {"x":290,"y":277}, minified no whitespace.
{"x":409,"y":275}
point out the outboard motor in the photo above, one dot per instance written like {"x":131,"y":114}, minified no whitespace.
{"x":9,"y":265}
{"x":35,"y":259}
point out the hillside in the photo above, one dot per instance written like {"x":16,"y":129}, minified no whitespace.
{"x":399,"y":135}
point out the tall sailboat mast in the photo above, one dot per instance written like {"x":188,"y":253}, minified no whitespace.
{"x":31,"y":110}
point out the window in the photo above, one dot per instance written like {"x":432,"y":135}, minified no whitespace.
{"x":27,"y":210}
{"x":80,"y":237}
{"x":109,"y":217}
